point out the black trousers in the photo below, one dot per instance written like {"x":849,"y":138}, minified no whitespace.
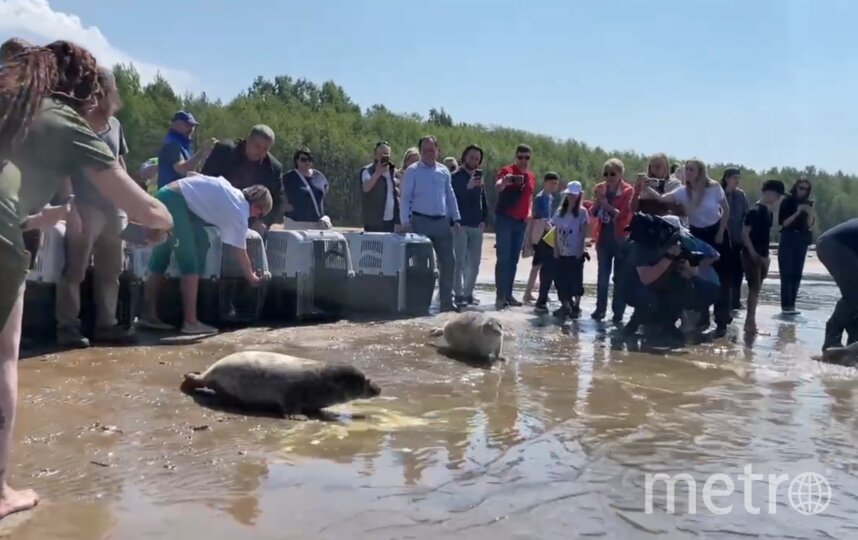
{"x":723,"y":268}
{"x":546,"y":270}
{"x":569,"y":277}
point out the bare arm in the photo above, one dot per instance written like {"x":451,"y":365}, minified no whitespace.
{"x":725,"y":216}
{"x":650,"y":274}
{"x":373,"y":180}
{"x":746,"y":241}
{"x":666,"y":198}
{"x":193,"y":164}
{"x":115,"y":184}
{"x":244,"y":263}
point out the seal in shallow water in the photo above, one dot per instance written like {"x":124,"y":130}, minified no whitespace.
{"x":268,"y":380}
{"x":473,"y":334}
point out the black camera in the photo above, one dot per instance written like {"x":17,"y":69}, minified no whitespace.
{"x":652,"y":231}
{"x":693,"y":257}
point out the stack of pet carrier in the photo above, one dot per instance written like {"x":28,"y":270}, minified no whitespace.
{"x":395,"y":274}
{"x":39,"y":320}
{"x":224,"y":296}
{"x":310,"y":274}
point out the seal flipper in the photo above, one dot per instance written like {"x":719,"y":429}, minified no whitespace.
{"x":192,"y":381}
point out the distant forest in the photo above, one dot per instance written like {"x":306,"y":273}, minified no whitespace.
{"x":342,"y":136}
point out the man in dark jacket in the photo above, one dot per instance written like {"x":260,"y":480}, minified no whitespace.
{"x":248,"y":162}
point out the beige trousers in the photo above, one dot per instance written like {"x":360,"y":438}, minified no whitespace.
{"x":99,"y":239}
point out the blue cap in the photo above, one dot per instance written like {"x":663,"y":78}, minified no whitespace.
{"x":185,"y":116}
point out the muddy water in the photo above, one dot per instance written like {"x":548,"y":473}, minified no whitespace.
{"x":554,"y":443}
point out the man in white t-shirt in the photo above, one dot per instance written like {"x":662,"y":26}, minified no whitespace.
{"x":212,"y":200}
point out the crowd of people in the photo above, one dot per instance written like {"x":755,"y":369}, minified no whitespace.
{"x":674,"y":242}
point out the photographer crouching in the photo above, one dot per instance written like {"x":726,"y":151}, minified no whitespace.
{"x":667,"y":271}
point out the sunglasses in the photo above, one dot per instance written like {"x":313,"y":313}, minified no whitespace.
{"x":381,"y":143}
{"x":612,"y":174}
{"x":305,"y":159}
{"x":523,"y":157}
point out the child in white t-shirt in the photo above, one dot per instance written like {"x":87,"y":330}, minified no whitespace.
{"x":570,"y":224}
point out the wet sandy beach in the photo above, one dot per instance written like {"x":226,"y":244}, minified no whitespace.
{"x":553,"y":443}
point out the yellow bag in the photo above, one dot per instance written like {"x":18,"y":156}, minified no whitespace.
{"x":550,"y":237}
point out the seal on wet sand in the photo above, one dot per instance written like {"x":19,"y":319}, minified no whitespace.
{"x":296,"y":387}
{"x":473,"y":334}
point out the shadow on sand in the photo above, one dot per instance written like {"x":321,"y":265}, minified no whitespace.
{"x":208,"y":399}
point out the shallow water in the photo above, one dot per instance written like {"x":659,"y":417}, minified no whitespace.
{"x":555,"y":442}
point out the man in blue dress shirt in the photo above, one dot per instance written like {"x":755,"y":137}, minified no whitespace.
{"x":428,"y":206}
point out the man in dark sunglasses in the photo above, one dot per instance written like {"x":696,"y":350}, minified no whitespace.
{"x":515,"y":184}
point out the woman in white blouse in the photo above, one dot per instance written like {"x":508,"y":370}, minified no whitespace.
{"x":708,"y":213}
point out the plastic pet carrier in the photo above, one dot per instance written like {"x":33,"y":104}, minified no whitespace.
{"x":394,"y":273}
{"x":224,"y":296}
{"x":40,"y":293}
{"x":310,"y":274}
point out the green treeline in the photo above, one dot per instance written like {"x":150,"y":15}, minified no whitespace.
{"x":342,"y":138}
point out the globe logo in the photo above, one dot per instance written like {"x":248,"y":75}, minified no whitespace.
{"x":809,"y":493}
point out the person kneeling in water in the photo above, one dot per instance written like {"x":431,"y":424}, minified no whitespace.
{"x":193,"y":201}
{"x":663,"y":276}
{"x":837,"y":249}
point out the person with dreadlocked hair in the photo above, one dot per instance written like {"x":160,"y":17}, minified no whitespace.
{"x":44,"y":139}
{"x":12,"y":47}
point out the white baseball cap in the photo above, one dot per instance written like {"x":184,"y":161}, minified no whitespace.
{"x":573,"y":188}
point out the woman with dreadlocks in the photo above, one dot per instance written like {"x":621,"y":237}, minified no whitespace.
{"x":44,"y":93}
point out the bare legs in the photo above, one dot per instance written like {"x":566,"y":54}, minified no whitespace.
{"x":11,"y":501}
{"x":531,"y":283}
{"x":189,"y":286}
{"x":751,"y":313}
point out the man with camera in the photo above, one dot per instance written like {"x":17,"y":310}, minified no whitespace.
{"x":667,"y":271}
{"x":515,"y":184}
{"x":380,"y":192}
{"x":473,"y":208}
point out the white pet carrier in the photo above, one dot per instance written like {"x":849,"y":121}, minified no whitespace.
{"x":51,"y":258}
{"x":394,"y":273}
{"x":311,"y":273}
{"x":40,"y":294}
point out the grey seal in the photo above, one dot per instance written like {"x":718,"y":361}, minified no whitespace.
{"x":295,"y":387}
{"x":473,"y":334}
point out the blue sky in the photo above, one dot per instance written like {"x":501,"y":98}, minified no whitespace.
{"x":757,"y":82}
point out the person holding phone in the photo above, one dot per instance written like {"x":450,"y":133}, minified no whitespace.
{"x":516,"y":184}
{"x":612,"y":211}
{"x":380,"y":193}
{"x":795,"y":218}
{"x":470,"y":193}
